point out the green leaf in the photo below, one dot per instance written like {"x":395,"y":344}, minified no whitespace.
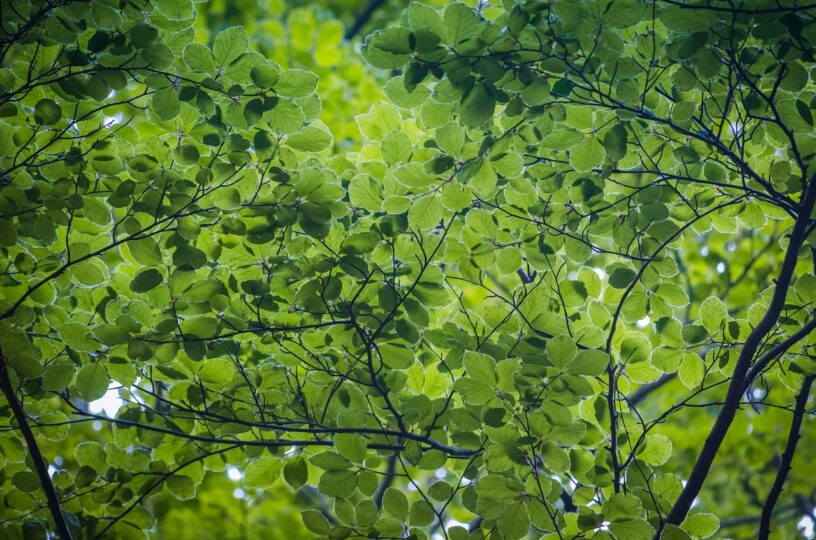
{"x":396,"y":357}
{"x":485,"y":179}
{"x":366,"y":512}
{"x":395,"y":503}
{"x":92,"y":381}
{"x":450,"y":138}
{"x":351,"y":446}
{"x":58,"y":376}
{"x":461,"y":23}
{"x":396,"y":147}
{"x":78,"y":337}
{"x":262,"y":473}
{"x":714,"y":315}
{"x":157,"y":55}
{"x":338,"y":483}
{"x":425,"y":213}
{"x":265,"y":75}
{"x":714,"y":171}
{"x":480,"y":367}
{"x":694,"y":333}
{"x":8,"y":234}
{"x":165,"y":103}
{"x":673,"y":532}
{"x":635,"y":347}
{"x":23,"y":355}
{"x":514,"y":521}
{"x":199,"y":58}
{"x":561,"y":350}
{"x":34,"y":530}
{"x":146,"y":280}
{"x":295,"y":83}
{"x":310,"y":139}
{"x":286,"y":116}
{"x":47,"y":112}
{"x":96,"y":211}
{"x":621,"y":277}
{"x":622,"y":507}
{"x":315,"y":522}
{"x":227,"y":198}
{"x":25,"y":481}
{"x":563,"y":87}
{"x":110,"y":334}
{"x":701,"y":525}
{"x":615,"y":142}
{"x":589,"y":362}
{"x":656,"y":450}
{"x":229,"y":44}
{"x":498,"y":488}
{"x":587,"y":154}
{"x":364,"y":192}
{"x":475,"y":392}
{"x":202,"y":291}
{"x":183,"y":487}
{"x":399,"y":96}
{"x":673,"y":294}
{"x":635,"y":529}
{"x":477,"y":106}
{"x":296,"y":471}
{"x":692,"y":370}
{"x":175,"y":9}
{"x":217,"y":371}
{"x":145,"y":251}
{"x":421,"y":514}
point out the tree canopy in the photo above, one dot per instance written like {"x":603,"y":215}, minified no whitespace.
{"x":517,"y":269}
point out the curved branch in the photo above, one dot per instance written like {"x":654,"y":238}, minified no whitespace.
{"x":612,"y":371}
{"x":735,"y":389}
{"x":430,"y":443}
{"x":163,"y":478}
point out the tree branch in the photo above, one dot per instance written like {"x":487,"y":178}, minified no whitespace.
{"x":640,"y":394}
{"x":452,"y":451}
{"x":40,"y":467}
{"x":735,"y":389}
{"x":787,"y":459}
{"x":740,"y":11}
{"x":387,"y":480}
{"x":363,"y":18}
{"x":778,"y":349}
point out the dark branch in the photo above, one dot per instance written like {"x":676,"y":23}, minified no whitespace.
{"x":740,"y":11}
{"x":777,"y":350}
{"x":640,"y":394}
{"x":37,"y":459}
{"x":363,"y":18}
{"x":787,"y":459}
{"x":752,"y":343}
{"x":387,"y":480}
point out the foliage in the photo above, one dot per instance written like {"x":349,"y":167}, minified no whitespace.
{"x":518,"y":269}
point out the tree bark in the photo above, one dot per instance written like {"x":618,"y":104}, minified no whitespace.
{"x":787,"y":459}
{"x":40,"y":466}
{"x":752,"y":343}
